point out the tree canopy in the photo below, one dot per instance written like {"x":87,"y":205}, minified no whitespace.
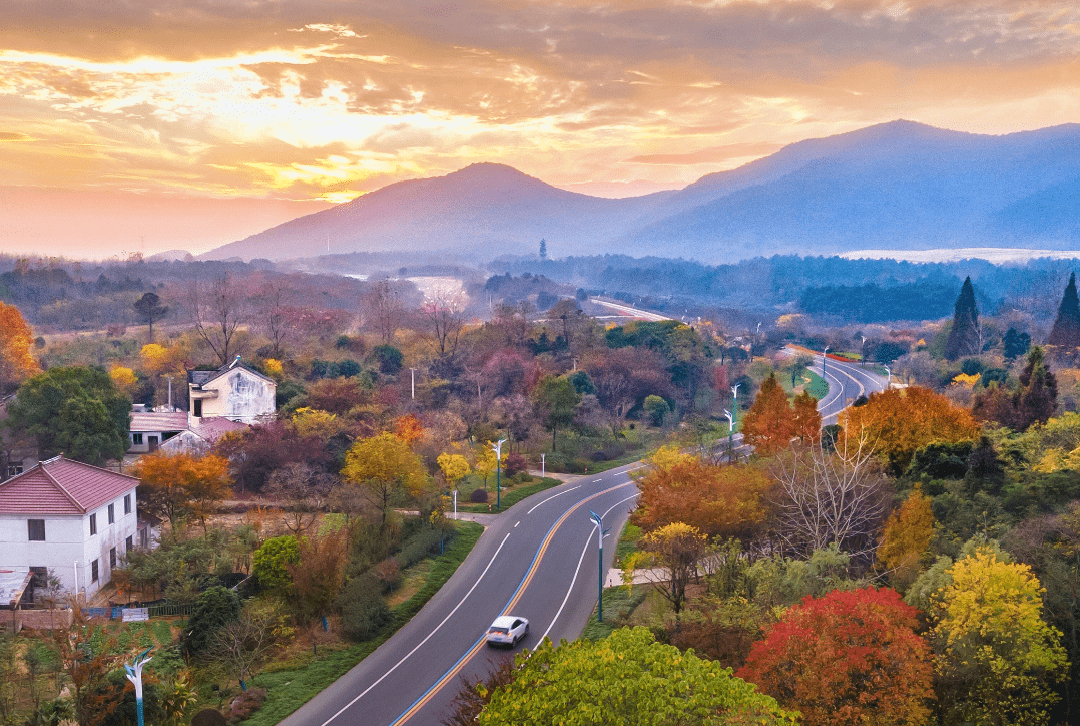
{"x":16,"y":341}
{"x":74,"y":410}
{"x":627,"y":678}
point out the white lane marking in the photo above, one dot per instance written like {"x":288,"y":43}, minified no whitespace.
{"x":596,"y":480}
{"x":588,"y":541}
{"x":429,"y":635}
{"x":564,"y":491}
{"x":517,"y":523}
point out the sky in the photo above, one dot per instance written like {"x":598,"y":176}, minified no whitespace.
{"x":143,"y":125}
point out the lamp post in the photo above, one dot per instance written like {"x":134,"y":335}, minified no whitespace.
{"x":543,"y":465}
{"x":888,"y":383}
{"x":134,"y":674}
{"x":497,"y":448}
{"x":735,"y":403}
{"x":824,"y":358}
{"x":730,"y":431}
{"x":413,"y":371}
{"x":600,"y":569}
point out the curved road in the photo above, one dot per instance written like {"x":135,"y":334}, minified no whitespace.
{"x":537,"y":560}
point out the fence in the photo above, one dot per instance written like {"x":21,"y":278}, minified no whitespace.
{"x":160,"y":610}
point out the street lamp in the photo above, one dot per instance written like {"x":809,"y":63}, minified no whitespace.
{"x":413,"y":371}
{"x":730,"y":430}
{"x":497,"y":448}
{"x":600,"y":570}
{"x":134,"y":674}
{"x":824,"y":357}
{"x":735,"y":402}
{"x":888,"y":383}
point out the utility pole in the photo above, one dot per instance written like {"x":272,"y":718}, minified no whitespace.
{"x":497,"y":448}
{"x":413,"y":371}
{"x":730,"y":433}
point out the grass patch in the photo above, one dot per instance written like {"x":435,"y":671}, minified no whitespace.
{"x":819,"y":387}
{"x":412,"y":580}
{"x":619,"y":604}
{"x":628,"y":541}
{"x":289,"y":689}
{"x":511,"y":496}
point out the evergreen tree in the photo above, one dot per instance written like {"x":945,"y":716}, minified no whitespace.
{"x":1037,"y":398}
{"x":1017,"y":344}
{"x":150,"y":309}
{"x":1066,"y":330}
{"x":543,"y":249}
{"x":964,"y":337}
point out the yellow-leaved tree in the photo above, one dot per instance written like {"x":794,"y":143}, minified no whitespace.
{"x":124,"y":378}
{"x":16,"y":341}
{"x":455,"y":467}
{"x":386,"y":471}
{"x":485,"y":462}
{"x":996,"y":658}
{"x":906,"y":538}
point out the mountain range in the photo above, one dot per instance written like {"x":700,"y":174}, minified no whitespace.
{"x":900,"y":185}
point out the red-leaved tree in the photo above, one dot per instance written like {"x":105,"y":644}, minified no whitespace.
{"x":846,"y":658}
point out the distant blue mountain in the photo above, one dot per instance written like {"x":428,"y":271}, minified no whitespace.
{"x":900,"y":185}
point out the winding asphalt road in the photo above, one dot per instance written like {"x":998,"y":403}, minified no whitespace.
{"x":537,"y":560}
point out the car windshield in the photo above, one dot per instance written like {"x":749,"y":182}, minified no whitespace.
{"x":497,"y":629}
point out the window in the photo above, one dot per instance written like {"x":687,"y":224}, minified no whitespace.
{"x":14,"y":469}
{"x":112,"y":559}
{"x":198,"y":408}
{"x":93,"y":571}
{"x":36,"y":529}
{"x":127,"y":504}
{"x":129,"y":543}
{"x":93,"y":524}
{"x":136,"y":439}
{"x":112,"y":513}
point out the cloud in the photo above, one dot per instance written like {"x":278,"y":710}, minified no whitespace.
{"x":711,"y":155}
{"x":12,"y":136}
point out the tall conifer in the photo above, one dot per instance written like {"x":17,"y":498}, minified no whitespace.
{"x":964,"y":336}
{"x":1066,"y":330}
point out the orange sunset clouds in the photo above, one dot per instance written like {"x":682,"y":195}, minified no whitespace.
{"x":188,"y":107}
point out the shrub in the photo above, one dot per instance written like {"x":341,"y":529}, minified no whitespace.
{"x":514,"y":463}
{"x":363,"y":610}
{"x":479,"y":496}
{"x":270,"y":562}
{"x":247,"y":703}
{"x":214,"y":608}
{"x":418,"y":547}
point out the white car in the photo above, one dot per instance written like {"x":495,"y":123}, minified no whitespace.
{"x":507,"y":630}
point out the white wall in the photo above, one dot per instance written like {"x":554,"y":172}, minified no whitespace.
{"x":241,"y":396}
{"x":67,"y":540}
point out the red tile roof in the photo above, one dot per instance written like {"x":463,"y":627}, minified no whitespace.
{"x":212,"y":428}
{"x":62,"y":486}
{"x":153,"y":421}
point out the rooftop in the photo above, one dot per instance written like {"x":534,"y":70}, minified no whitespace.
{"x":62,"y":486}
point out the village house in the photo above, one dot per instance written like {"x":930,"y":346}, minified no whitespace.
{"x":234,"y":391}
{"x":75,"y":520}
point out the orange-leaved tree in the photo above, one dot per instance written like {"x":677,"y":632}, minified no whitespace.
{"x":769,"y":424}
{"x":724,"y":501}
{"x":16,"y":341}
{"x":806,"y":419}
{"x":898,"y":422}
{"x":174,"y":486}
{"x":907,"y":537}
{"x":846,"y":658}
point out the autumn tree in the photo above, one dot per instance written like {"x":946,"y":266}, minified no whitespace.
{"x":17,"y":363}
{"x":384,"y":309}
{"x":150,"y":309}
{"x":846,"y":658}
{"x":898,"y":422}
{"x":627,"y":678}
{"x":555,"y":399}
{"x":86,"y":655}
{"x":964,"y":336}
{"x":443,"y":314}
{"x":175,"y":486}
{"x":623,"y":377}
{"x":768,"y":426}
{"x":454,"y":467}
{"x":906,"y":537}
{"x":996,"y":658}
{"x":319,"y":573}
{"x":243,"y":645}
{"x":485,"y":462}
{"x":806,"y":419}
{"x":827,"y":498}
{"x":74,"y":410}
{"x":386,"y":471}
{"x":720,"y":501}
{"x":672,"y":554}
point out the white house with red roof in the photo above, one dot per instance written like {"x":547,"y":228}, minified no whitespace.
{"x":71,"y":518}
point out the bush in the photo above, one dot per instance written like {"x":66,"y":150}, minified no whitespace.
{"x":269,"y":563}
{"x":390,"y":358}
{"x":514,"y":463}
{"x":363,"y":610}
{"x":214,"y":608}
{"x":419,"y":546}
{"x":243,"y":706}
{"x":479,"y":496}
